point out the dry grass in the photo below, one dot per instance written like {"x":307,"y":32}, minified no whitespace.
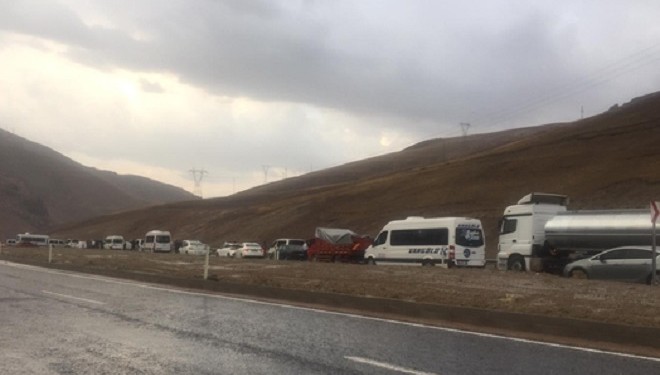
{"x":529,"y":293}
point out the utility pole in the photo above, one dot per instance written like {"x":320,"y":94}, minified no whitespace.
{"x":198,"y":175}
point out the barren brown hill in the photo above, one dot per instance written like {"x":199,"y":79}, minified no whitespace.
{"x":40,"y":188}
{"x":607,"y":161}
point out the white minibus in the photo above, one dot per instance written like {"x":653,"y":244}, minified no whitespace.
{"x":114,"y":242}
{"x":449,"y":241}
{"x":158,"y":241}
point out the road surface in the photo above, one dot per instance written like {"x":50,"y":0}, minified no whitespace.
{"x":56,"y":322}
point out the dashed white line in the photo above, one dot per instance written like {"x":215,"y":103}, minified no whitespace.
{"x":388,"y":366}
{"x":364,"y":317}
{"x":74,"y":297}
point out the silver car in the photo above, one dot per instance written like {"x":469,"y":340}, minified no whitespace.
{"x":626,"y":263}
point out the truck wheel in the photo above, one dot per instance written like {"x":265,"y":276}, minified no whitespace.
{"x":427,"y":262}
{"x":516,"y":263}
{"x":371,"y":261}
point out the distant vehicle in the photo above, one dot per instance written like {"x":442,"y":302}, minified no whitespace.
{"x":158,"y":241}
{"x":114,"y":242}
{"x":228,"y":249}
{"x":449,"y":241}
{"x":249,"y":250}
{"x":625,"y":263}
{"x":194,"y":247}
{"x":76,"y":244}
{"x":539,"y":234}
{"x":29,"y":240}
{"x":291,"y":252}
{"x":11,"y":242}
{"x":138,"y":243}
{"x":56,"y":242}
{"x":337,"y":245}
{"x":272,"y":251}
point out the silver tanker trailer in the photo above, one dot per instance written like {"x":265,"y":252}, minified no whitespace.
{"x":539,"y":234}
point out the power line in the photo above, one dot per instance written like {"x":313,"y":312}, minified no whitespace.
{"x":603,"y":75}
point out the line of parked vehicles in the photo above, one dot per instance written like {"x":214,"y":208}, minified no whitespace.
{"x":536,"y":234}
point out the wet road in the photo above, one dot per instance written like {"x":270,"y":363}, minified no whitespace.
{"x":53,"y":322}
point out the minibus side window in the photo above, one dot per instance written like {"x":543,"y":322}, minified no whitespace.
{"x":419,"y":237}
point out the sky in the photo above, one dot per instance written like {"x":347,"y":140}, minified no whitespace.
{"x":259,"y":91}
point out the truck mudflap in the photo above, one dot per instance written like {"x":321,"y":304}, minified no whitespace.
{"x":554,"y":265}
{"x":536,"y":264}
{"x":502,"y":264}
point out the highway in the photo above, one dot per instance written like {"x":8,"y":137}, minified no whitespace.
{"x":56,"y":322}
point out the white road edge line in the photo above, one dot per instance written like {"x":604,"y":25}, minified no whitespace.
{"x":392,"y":321}
{"x":387,"y":366}
{"x":74,"y":297}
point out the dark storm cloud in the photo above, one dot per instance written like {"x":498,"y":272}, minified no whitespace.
{"x":415,"y":62}
{"x":270,"y":52}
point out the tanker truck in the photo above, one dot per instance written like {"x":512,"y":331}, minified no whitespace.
{"x":540,"y":234}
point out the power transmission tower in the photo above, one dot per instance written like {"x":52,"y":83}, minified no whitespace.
{"x":265,"y":167}
{"x":465,"y":126}
{"x":198,"y":175}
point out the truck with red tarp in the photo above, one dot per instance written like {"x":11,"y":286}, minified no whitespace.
{"x":337,"y":245}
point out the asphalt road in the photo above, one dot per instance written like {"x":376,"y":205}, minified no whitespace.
{"x":55,"y":322}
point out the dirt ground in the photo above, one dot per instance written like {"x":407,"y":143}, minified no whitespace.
{"x":528,"y":293}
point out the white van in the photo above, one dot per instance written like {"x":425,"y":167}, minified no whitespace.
{"x":114,"y":242}
{"x":450,"y":241}
{"x":158,"y":241}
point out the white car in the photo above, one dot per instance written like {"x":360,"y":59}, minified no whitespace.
{"x":228,"y":249}
{"x":194,"y":247}
{"x":249,"y":250}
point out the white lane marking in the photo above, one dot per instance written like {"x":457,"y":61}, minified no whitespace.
{"x":73,"y":297}
{"x":388,"y":366}
{"x":391,"y":321}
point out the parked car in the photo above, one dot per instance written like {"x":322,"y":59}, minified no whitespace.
{"x":228,"y":249}
{"x":76,"y":244}
{"x":282,"y":242}
{"x":194,"y":247}
{"x":249,"y":250}
{"x":56,"y":242}
{"x":625,"y":263}
{"x":291,"y":252}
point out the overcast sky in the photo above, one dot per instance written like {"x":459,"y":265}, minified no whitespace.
{"x":159,"y":87}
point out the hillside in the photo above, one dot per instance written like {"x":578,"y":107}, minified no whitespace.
{"x":606,"y":161}
{"x":40,"y":188}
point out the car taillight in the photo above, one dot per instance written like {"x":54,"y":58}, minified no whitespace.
{"x":452,"y":252}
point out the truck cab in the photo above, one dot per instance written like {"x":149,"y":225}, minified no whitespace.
{"x":522,"y":230}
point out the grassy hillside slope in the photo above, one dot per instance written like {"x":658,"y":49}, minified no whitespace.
{"x":40,"y":188}
{"x":608,"y":161}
